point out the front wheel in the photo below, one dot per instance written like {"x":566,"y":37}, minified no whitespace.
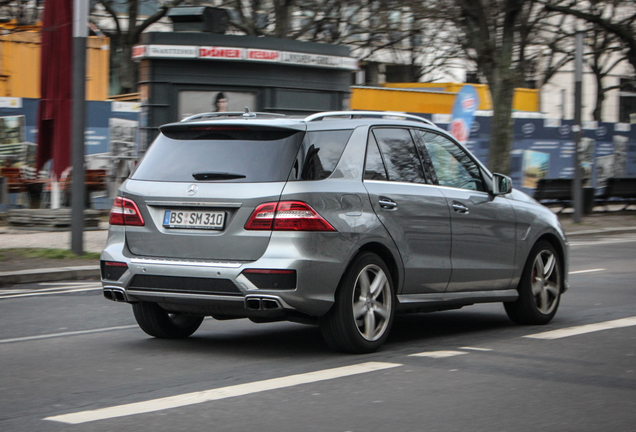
{"x":159,"y":323}
{"x":539,"y":287}
{"x":360,"y":320}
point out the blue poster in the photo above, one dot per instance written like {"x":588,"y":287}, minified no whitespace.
{"x":464,"y":107}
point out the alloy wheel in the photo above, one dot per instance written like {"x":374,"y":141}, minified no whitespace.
{"x":545,"y":281}
{"x":372,"y":302}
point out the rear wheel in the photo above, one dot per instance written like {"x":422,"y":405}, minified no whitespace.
{"x":361,"y":318}
{"x":157,"y":322}
{"x":539,"y":287}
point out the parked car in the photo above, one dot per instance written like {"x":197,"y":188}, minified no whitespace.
{"x":341,"y":219}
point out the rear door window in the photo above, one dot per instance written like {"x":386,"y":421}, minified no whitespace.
{"x":235,"y":154}
{"x":319,"y":154}
{"x":374,"y":167}
{"x":400,"y":156}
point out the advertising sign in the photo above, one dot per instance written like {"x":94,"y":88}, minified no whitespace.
{"x":466,"y":103}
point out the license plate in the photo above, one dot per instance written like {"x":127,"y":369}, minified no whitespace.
{"x":194,"y":219}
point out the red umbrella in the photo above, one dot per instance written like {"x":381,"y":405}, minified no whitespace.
{"x":54,"y":114}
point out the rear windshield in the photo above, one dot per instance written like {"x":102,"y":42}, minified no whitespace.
{"x":220,"y":154}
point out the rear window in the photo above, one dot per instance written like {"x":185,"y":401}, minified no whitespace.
{"x":220,"y":154}
{"x":319,"y":154}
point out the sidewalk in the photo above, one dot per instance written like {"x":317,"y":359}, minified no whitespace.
{"x":16,"y":270}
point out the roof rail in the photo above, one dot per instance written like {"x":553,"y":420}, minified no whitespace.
{"x":354,"y":114}
{"x":219,"y":115}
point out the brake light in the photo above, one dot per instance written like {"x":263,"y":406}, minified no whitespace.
{"x":125,"y":212}
{"x":287,"y":216}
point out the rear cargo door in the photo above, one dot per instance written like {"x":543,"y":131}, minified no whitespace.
{"x":198,"y":185}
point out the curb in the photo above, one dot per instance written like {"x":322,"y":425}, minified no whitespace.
{"x":49,"y":275}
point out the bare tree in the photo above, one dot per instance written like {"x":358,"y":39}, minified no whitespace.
{"x":604,"y":56}
{"x":617,"y":17}
{"x":490,"y":30}
{"x":126,"y":36}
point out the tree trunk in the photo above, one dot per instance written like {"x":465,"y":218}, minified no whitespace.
{"x":282,"y":12}
{"x":127,"y":69}
{"x":502,"y":89}
{"x":502,"y":81}
{"x":600,"y":98}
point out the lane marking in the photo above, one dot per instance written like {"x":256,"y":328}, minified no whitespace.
{"x":438,"y":354}
{"x":39,"y":292}
{"x":28,"y":290}
{"x":69,"y":283}
{"x":588,"y":328}
{"x":219,"y":393}
{"x":586,"y":271}
{"x":72,"y":333}
{"x":602,"y":242}
{"x":476,"y":349}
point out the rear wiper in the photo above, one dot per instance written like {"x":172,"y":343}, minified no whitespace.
{"x":216,"y":176}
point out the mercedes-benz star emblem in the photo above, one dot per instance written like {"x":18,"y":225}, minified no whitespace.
{"x":192,"y":189}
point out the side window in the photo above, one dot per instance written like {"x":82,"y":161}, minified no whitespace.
{"x":453,"y":166}
{"x":400,"y":155}
{"x":374,"y":166}
{"x":319,"y":154}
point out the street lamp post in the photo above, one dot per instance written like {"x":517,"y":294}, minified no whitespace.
{"x":78,"y":187}
{"x":577,"y":192}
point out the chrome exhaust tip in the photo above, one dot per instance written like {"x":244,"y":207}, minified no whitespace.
{"x":257,"y":303}
{"x":115,"y":294}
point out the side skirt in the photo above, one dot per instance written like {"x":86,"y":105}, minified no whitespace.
{"x":443,"y":301}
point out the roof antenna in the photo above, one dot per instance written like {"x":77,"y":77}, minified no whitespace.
{"x":248,"y":114}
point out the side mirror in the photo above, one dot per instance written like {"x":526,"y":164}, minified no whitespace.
{"x":501,"y":184}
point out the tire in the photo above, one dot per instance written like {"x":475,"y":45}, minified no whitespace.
{"x":157,"y":322}
{"x":539,"y":296}
{"x":358,"y":322}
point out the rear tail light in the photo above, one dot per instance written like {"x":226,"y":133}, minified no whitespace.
{"x":287,"y":216}
{"x":125,"y":212}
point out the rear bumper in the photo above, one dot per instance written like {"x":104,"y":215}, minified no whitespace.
{"x":221,"y":289}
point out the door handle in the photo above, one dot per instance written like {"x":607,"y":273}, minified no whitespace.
{"x":460,"y":208}
{"x":387,"y":204}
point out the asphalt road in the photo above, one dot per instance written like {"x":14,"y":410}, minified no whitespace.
{"x":70,"y":360}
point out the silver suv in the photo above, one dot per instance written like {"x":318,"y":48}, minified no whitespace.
{"x":341,"y":219}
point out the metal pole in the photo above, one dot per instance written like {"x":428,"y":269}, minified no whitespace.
{"x":78,"y":187}
{"x":577,"y":191}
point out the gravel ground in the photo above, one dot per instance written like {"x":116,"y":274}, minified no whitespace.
{"x":94,"y":241}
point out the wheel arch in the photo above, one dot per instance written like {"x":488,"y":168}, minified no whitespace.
{"x":387,"y":256}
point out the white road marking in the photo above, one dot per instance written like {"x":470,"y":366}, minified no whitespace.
{"x":69,"y":283}
{"x":72,"y":333}
{"x":219,"y":393}
{"x":588,"y":328}
{"x":39,"y":292}
{"x":586,"y":271}
{"x":475,"y":349}
{"x":438,"y":354}
{"x":58,"y":288}
{"x":603,"y":242}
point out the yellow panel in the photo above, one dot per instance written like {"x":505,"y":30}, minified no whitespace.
{"x":20,"y":66}
{"x":524,"y":99}
{"x":401,"y":100}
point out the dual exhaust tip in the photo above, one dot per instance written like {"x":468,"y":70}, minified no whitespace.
{"x":251,"y":303}
{"x":262,"y":304}
{"x":115,"y":294}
